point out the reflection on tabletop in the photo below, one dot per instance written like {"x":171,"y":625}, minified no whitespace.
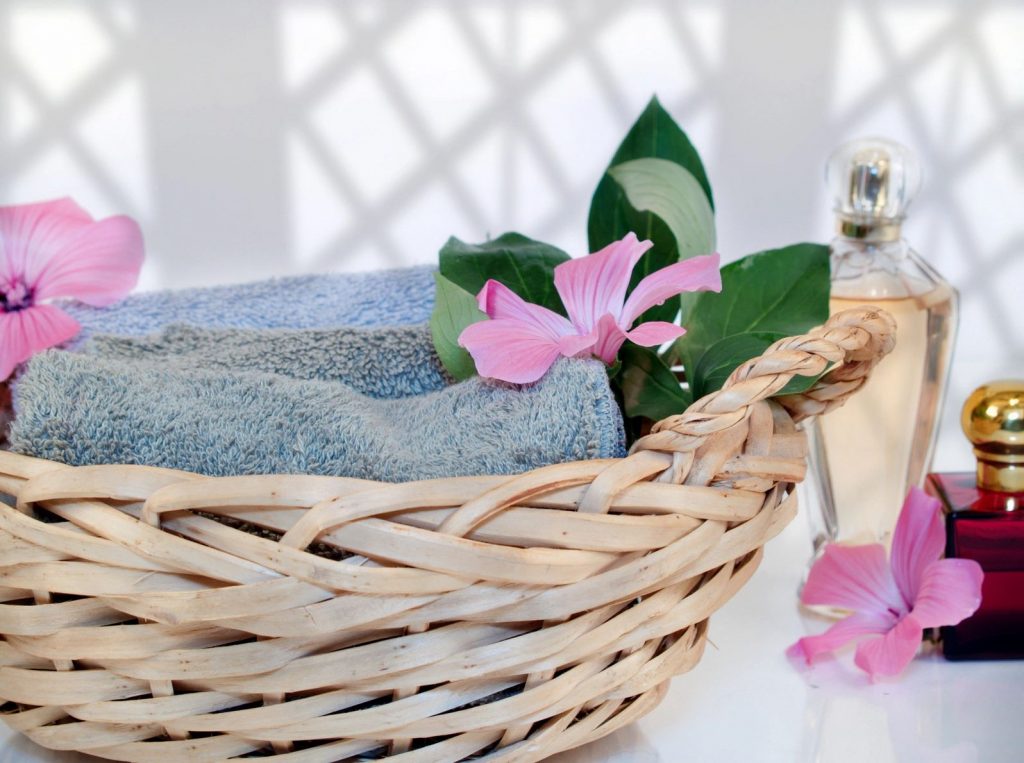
{"x":914,"y":718}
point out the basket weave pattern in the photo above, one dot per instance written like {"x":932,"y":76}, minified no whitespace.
{"x":502,"y":618}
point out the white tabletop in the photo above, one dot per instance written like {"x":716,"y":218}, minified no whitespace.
{"x":745,"y":702}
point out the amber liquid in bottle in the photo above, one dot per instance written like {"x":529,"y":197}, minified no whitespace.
{"x":880,"y":443}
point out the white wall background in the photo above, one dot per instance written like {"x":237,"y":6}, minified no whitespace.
{"x":274,"y":137}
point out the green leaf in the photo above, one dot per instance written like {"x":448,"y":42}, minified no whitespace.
{"x":522,"y":264}
{"x":653,"y":135}
{"x":783,"y":291}
{"x":673,"y":194}
{"x":649,"y":388}
{"x":454,"y":309}
{"x":656,"y":134}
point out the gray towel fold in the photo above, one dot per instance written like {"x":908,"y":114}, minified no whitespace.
{"x":91,"y":409}
{"x":378,"y":298}
{"x":390,"y":362}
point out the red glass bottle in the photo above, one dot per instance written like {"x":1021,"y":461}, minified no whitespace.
{"x":985,"y":522}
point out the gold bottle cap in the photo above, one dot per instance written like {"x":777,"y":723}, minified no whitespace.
{"x":993,"y":420}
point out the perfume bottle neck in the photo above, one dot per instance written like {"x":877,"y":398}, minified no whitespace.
{"x":851,"y":251}
{"x":874,"y":230}
{"x":999,"y":475}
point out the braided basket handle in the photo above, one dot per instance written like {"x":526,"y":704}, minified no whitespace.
{"x":853,"y":341}
{"x":865,"y":335}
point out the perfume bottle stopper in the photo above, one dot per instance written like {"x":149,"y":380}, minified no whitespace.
{"x":872,"y":181}
{"x":993,"y":420}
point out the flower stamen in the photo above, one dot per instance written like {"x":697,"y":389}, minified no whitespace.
{"x":14,"y":296}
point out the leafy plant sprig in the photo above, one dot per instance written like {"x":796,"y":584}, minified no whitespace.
{"x":656,"y":187}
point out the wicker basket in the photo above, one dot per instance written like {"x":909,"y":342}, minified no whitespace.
{"x":495,"y":618}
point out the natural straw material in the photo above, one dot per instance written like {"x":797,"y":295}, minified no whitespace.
{"x":155,"y":615}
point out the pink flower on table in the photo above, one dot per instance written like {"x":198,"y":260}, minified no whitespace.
{"x":54,"y":249}
{"x":892,"y":601}
{"x":521,"y":340}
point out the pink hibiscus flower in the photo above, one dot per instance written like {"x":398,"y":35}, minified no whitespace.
{"x":55,"y":249}
{"x":896,"y":600}
{"x":521,"y":340}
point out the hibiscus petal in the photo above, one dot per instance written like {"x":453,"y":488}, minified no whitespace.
{"x":25,"y":332}
{"x":609,"y":339}
{"x":572,"y":345}
{"x":840,"y":634}
{"x":29,"y":230}
{"x":694,"y":274}
{"x":499,"y":301}
{"x":65,"y":206}
{"x":853,"y":577}
{"x":654,"y":333}
{"x":510,"y":350}
{"x":95,"y":262}
{"x":595,"y":285}
{"x":917,"y":542}
{"x":950,"y":591}
{"x":888,"y":655}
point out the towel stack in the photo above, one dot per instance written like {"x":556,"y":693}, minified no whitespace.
{"x":331,"y":375}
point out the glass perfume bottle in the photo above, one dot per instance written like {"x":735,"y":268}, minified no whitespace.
{"x":867,"y":454}
{"x":985,"y":522}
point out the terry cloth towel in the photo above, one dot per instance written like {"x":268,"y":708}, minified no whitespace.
{"x":379,"y":298}
{"x":387,"y":362}
{"x":89,"y":409}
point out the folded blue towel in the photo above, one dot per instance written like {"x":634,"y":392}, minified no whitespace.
{"x":378,"y":298}
{"x":387,"y":362}
{"x":91,"y":409}
{"x":312,"y":375}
